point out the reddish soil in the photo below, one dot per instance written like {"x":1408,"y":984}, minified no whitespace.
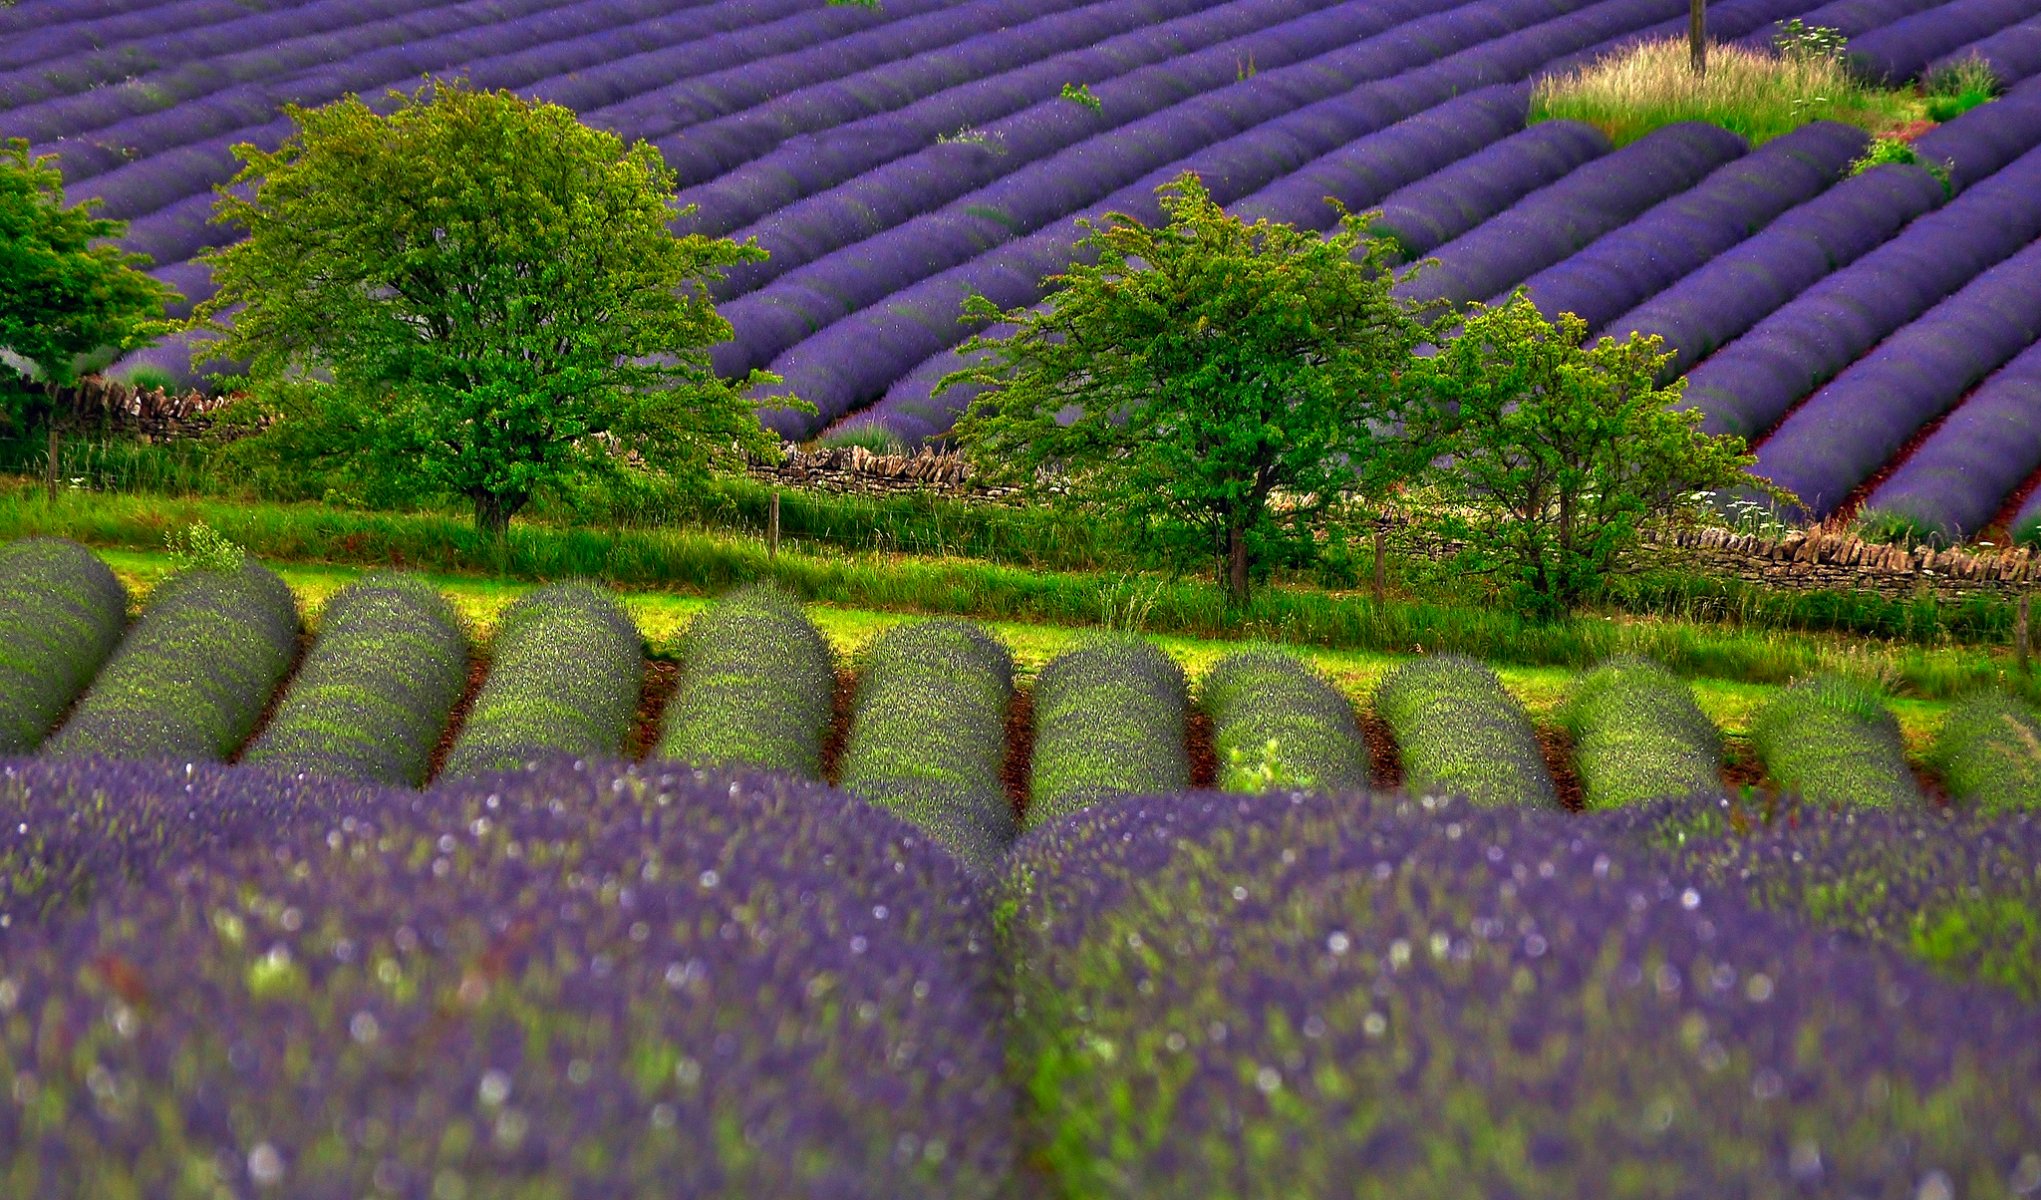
{"x":478,"y":670}
{"x":275,"y":697}
{"x":1909,"y":131}
{"x":1204,"y":753}
{"x":1931,"y":786}
{"x":1385,"y":761}
{"x":1741,"y":768}
{"x":1020,"y":750}
{"x":661,"y":677}
{"x":1557,"y":746}
{"x":839,"y":724}
{"x":1847,"y":510}
{"x":2000,"y":529}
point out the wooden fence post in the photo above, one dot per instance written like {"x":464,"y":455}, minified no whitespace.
{"x":2021,"y":638}
{"x":772,"y":532}
{"x":1381,"y":568}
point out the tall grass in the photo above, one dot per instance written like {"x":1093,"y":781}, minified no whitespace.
{"x":1749,"y":92}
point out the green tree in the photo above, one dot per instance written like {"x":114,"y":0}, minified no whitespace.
{"x":1220,"y":389}
{"x":490,"y":285}
{"x":1555,"y":453}
{"x":65,"y":291}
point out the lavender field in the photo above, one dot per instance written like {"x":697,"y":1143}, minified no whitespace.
{"x":1865,"y":331}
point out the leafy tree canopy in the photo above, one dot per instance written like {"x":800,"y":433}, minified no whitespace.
{"x":490,"y":289}
{"x":1556,"y":453}
{"x":1222,"y":389}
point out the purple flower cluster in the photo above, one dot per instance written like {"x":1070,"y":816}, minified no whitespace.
{"x":576,"y":981}
{"x":61,"y":613}
{"x":1454,"y":199}
{"x":192,"y":676}
{"x":1291,"y":995}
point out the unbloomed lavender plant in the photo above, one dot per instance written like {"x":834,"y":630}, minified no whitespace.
{"x":1293,"y":995}
{"x":573,"y":981}
{"x":192,"y":676}
{"x":1276,"y":723}
{"x":1989,"y":754}
{"x":756,"y":687}
{"x":374,"y":690}
{"x":1833,"y":741}
{"x":928,"y":734}
{"x":1638,"y":735}
{"x":1109,"y":718}
{"x":1459,"y":733}
{"x":61,"y":613}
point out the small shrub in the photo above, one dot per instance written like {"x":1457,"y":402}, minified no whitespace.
{"x":565,"y":672}
{"x":1834,"y":742}
{"x":1798,"y":41}
{"x":1638,"y":736}
{"x":200,"y":547}
{"x":1078,"y":93}
{"x":756,"y":687}
{"x":871,"y":437}
{"x":1957,"y":87}
{"x":1278,"y":724}
{"x":1989,"y":754}
{"x":1109,"y":719}
{"x":1894,"y":152}
{"x":61,"y":614}
{"x":153,"y":379}
{"x":1461,"y":734}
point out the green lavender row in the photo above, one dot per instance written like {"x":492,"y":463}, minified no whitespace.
{"x":1638,"y":735}
{"x":1461,"y":734}
{"x":1834,"y":742}
{"x":1989,"y":754}
{"x":61,"y":612}
{"x":1276,"y":723}
{"x":756,"y":687}
{"x":1109,"y":719}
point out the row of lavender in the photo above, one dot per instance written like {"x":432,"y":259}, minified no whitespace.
{"x":646,"y":981}
{"x":928,"y":731}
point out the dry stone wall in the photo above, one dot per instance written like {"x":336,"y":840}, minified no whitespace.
{"x":152,"y":416}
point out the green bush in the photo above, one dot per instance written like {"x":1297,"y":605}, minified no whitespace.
{"x":928,"y":734}
{"x":1959,"y":87}
{"x":1278,"y":724}
{"x":1461,"y":734}
{"x":1109,"y":719}
{"x":192,"y":677}
{"x":374,"y":692}
{"x":1989,"y":754}
{"x":1638,"y":735}
{"x":61,"y":613}
{"x":1833,"y":741}
{"x":756,"y":687}
{"x":566,"y":668}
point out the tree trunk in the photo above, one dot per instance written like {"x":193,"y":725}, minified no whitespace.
{"x":1381,"y":568}
{"x":1236,"y":565}
{"x":492,"y":521}
{"x":1697,"y":34}
{"x":50,"y":467}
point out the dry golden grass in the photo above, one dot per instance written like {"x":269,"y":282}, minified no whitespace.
{"x":1757,"y":94}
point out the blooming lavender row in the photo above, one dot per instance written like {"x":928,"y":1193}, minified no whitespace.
{"x":587,"y":981}
{"x":1639,"y":736}
{"x":1988,"y":753}
{"x":1293,"y":995}
{"x":1276,"y":723}
{"x":375,"y":689}
{"x":2013,"y":53}
{"x":1556,"y":221}
{"x":193,"y":675}
{"x":1728,"y":20}
{"x":1955,"y":891}
{"x":566,"y":666}
{"x":1748,"y":386}
{"x":928,"y":735}
{"x":755,"y":689}
{"x":1454,"y":199}
{"x":61,"y":613}
{"x":1460,"y":734}
{"x":47,"y":31}
{"x":856,"y":244}
{"x":1955,"y":482}
{"x":1629,"y":265}
{"x":1109,"y":719}
{"x":1851,"y":18}
{"x":850,"y":363}
{"x":1902,"y":49}
{"x":896,"y":108}
{"x":1834,"y":742}
{"x":1986,"y":139}
{"x":1840,"y":436}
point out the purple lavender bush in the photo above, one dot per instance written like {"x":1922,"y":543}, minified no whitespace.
{"x":1988,"y":753}
{"x":1291,"y":995}
{"x":61,"y":614}
{"x":577,"y":981}
{"x":192,"y":676}
{"x":1957,"y":480}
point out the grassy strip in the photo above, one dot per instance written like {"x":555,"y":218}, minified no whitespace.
{"x":1638,"y":735}
{"x":1754,"y":93}
{"x":374,"y":692}
{"x":928,"y":735}
{"x":1277,"y":723}
{"x":1989,"y":755}
{"x":700,"y":563}
{"x":567,"y":665}
{"x":1835,"y":743}
{"x":1109,"y":719}
{"x":1461,"y":734}
{"x":755,"y":688}
{"x":61,"y":613}
{"x":191,"y":677}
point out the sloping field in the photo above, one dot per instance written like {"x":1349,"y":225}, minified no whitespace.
{"x":1871,"y":334}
